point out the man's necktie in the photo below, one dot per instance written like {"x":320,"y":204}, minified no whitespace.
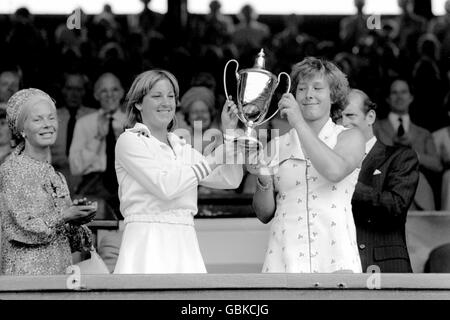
{"x":70,"y":127}
{"x":401,"y":129}
{"x":110,"y":179}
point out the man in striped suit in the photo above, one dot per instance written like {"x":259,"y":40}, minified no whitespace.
{"x":386,"y":186}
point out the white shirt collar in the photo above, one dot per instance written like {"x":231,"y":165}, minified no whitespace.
{"x":393,"y":119}
{"x":370,"y":144}
{"x":175,"y":141}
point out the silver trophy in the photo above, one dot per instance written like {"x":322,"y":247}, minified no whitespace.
{"x":255,"y":88}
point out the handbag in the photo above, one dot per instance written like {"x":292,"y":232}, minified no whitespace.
{"x":93,"y":265}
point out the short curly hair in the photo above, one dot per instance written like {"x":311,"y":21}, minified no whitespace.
{"x":337,"y":80}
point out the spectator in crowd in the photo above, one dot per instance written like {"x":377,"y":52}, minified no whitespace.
{"x":10,"y":81}
{"x":72,"y":39}
{"x":354,"y":28}
{"x":291,"y":43}
{"x":409,"y":27}
{"x":199,"y":111}
{"x":398,"y":129}
{"x":73,"y":92}
{"x":386,"y":187}
{"x":218,"y":27}
{"x":308,"y":182}
{"x":5,"y":137}
{"x":40,"y":225}
{"x":24,"y":38}
{"x":92,"y":150}
{"x":389,"y":51}
{"x":105,"y":28}
{"x":111,"y":58}
{"x":149,"y":21}
{"x":440,"y":27}
{"x":441,"y":139}
{"x":427,"y":108}
{"x":250,"y":35}
{"x":347,"y":63}
{"x":158,"y":174}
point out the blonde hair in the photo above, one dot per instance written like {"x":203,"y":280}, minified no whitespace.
{"x":139,"y":89}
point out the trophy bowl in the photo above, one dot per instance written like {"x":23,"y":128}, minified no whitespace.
{"x":255,"y":88}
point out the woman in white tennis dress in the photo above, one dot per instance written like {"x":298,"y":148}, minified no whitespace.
{"x":158,"y":175}
{"x":307,"y":192}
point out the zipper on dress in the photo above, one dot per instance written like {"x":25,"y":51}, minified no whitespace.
{"x":307,"y":213}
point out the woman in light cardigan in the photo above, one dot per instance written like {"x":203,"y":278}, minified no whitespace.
{"x":158,"y":175}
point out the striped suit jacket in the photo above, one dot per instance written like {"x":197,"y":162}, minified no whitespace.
{"x":386,"y":186}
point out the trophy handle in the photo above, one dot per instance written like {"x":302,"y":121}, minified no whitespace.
{"x":287,"y":91}
{"x":225,"y":82}
{"x":225,"y":75}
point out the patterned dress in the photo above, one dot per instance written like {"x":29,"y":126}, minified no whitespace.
{"x":313,"y":228}
{"x":35,"y":240}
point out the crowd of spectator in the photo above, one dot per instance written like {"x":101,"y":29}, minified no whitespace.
{"x":89,"y":69}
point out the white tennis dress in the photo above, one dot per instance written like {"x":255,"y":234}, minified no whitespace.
{"x":313,"y":228}
{"x":158,"y":199}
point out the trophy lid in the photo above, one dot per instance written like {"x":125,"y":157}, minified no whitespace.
{"x":260,"y":61}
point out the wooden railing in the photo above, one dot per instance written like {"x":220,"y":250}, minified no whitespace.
{"x":230,"y":287}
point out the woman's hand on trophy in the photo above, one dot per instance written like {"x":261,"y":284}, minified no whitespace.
{"x":229,"y":115}
{"x":290,"y":109}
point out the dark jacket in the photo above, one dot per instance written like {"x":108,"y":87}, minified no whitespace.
{"x":386,"y":186}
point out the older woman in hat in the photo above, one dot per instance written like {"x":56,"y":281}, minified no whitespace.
{"x":40,"y":225}
{"x":198,"y":114}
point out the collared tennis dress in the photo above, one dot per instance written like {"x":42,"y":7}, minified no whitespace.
{"x":313,"y":228}
{"x":158,"y":199}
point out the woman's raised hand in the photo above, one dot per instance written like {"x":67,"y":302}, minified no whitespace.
{"x":290,"y":109}
{"x":229,"y":115}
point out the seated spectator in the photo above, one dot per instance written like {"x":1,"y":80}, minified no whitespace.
{"x":92,"y":150}
{"x":147,"y":22}
{"x":111,"y":57}
{"x":249,"y":35}
{"x":441,"y":139}
{"x":218,"y":27}
{"x":427,"y":109}
{"x":5,"y":137}
{"x":353,"y":28}
{"x":73,"y":93}
{"x":10,"y":81}
{"x":440,"y":27}
{"x":25,"y":37}
{"x":398,"y":129}
{"x":347,"y":63}
{"x":71,"y":39}
{"x":199,"y":113}
{"x":409,"y":28}
{"x":289,"y":44}
{"x":105,"y":28}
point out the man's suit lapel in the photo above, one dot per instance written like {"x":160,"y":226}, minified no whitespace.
{"x":373,"y":161}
